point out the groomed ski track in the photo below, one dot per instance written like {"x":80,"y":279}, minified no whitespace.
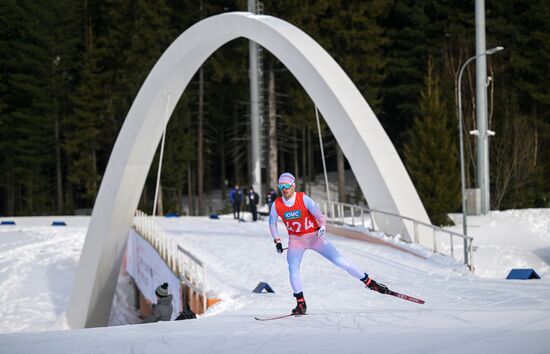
{"x":462,"y":313}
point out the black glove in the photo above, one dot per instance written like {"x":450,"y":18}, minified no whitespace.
{"x":279,"y":246}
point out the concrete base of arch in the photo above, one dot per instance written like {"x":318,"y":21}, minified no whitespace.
{"x":370,"y":153}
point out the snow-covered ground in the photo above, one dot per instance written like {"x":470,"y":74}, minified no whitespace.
{"x":464,"y":312}
{"x":509,"y":239}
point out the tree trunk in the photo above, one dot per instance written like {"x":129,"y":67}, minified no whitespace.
{"x":179,"y":195}
{"x":282,"y":160}
{"x":304,"y":158}
{"x":190,"y":199}
{"x":249,"y":165}
{"x":87,"y":40}
{"x":10,"y":184}
{"x":513,"y":157}
{"x":160,"y":203}
{"x":58,"y":174}
{"x":341,"y":175}
{"x":200,"y":159}
{"x":94,"y":176}
{"x":59,"y":186}
{"x":236,"y":164}
{"x":272,"y":132}
{"x":69,"y":197}
{"x":30,"y":196}
{"x":309,"y":160}
{"x":223,"y":172}
{"x":295,"y":152}
{"x":144,"y":200}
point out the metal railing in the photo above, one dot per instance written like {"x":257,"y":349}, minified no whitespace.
{"x":356,"y":215}
{"x":187,"y":267}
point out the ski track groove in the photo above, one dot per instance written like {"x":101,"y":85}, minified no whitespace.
{"x":450,"y":287}
{"x":453,"y":290}
{"x":41,"y":248}
{"x":20,"y":261}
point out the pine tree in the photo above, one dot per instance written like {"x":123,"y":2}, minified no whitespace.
{"x":65,"y":16}
{"x":520,"y":80}
{"x":178,"y":152}
{"x":149,"y":37}
{"x":50,"y":75}
{"x":38,"y":74}
{"x":430,"y":153}
{"x":83,"y":130}
{"x":352,"y":33}
{"x":10,"y":32}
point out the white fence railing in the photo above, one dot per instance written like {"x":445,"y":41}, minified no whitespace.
{"x":190,"y":270}
{"x":355,"y":215}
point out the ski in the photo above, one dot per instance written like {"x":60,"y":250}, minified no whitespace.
{"x":276,"y":317}
{"x":405,"y":297}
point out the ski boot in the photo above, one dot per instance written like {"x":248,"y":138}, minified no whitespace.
{"x":301,"y":306}
{"x":373,"y":285}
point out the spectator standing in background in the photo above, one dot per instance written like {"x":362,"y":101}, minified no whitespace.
{"x":253,"y":203}
{"x":270,"y":198}
{"x":235,"y":197}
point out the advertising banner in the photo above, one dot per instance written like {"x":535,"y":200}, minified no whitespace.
{"x":148,"y":270}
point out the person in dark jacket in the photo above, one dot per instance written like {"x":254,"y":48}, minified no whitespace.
{"x":235,"y":197}
{"x":253,"y":203}
{"x":162,"y":310}
{"x":270,"y":198}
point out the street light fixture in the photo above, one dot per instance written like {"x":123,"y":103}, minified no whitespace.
{"x":462,"y":175}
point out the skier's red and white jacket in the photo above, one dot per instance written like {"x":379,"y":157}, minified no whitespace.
{"x":300,"y":215}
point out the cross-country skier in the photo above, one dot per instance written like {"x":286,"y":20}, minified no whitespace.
{"x":306,"y":227}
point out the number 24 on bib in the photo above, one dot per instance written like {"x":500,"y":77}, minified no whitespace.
{"x":296,"y":226}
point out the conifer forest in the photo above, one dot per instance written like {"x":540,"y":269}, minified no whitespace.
{"x":70,"y":70}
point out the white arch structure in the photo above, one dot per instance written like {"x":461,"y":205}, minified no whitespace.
{"x":371,"y":155}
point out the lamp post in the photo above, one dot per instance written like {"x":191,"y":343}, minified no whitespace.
{"x":462,"y":174}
